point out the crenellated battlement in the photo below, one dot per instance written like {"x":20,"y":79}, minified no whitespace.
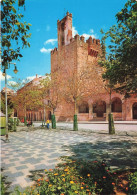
{"x":93,"y":45}
{"x":93,"y":41}
{"x":65,"y":38}
{"x":82,"y":38}
{"x":67,"y":15}
{"x":90,"y":41}
{"x":54,"y":50}
{"x":64,"y":30}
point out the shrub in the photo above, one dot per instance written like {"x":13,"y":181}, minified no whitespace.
{"x":74,"y":177}
{"x":133,"y":183}
{"x":2,"y":187}
{"x":10,"y":124}
{"x":18,"y":121}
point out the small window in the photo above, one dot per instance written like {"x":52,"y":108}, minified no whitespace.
{"x":117,"y":105}
{"x":62,"y":40}
{"x":134,"y":110}
{"x":84,"y":108}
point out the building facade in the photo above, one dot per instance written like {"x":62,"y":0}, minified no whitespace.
{"x":75,"y":54}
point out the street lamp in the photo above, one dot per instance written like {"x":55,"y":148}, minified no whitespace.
{"x":5,"y":74}
{"x":15,"y":70}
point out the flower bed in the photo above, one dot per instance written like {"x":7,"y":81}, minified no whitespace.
{"x":74,"y":177}
{"x":80,"y":177}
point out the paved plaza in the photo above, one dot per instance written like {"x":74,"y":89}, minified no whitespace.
{"x":39,"y":149}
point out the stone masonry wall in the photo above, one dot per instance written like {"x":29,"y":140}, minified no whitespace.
{"x":72,"y":56}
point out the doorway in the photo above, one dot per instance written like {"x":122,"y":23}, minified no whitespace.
{"x":134,"y":109}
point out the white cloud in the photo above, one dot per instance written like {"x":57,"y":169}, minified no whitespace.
{"x":12,"y":82}
{"x":43,"y":50}
{"x":8,"y":77}
{"x":88,"y":35}
{"x":50,"y":41}
{"x":30,"y":78}
{"x":47,"y":28}
{"x":74,"y":31}
{"x":2,"y":78}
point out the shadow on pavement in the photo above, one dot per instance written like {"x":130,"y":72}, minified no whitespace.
{"x":119,"y":155}
{"x":36,"y":174}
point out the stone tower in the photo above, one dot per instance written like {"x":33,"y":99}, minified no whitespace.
{"x":73,"y":56}
{"x":64,"y":30}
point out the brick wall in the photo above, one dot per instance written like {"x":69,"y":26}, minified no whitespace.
{"x":70,"y":59}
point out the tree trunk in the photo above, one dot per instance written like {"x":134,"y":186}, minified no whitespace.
{"x":110,"y":119}
{"x":44,"y":115}
{"x":111,"y":124}
{"x":75,"y":122}
{"x":53,"y":120}
{"x":15,"y":128}
{"x":25,"y":119}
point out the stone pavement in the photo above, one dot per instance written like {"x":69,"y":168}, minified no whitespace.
{"x":121,"y":127}
{"x":40,"y":149}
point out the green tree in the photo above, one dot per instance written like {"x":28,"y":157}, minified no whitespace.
{"x":79,"y":86}
{"x":120,"y":63}
{"x":51,"y":94}
{"x":122,"y":50}
{"x":27,"y":96}
{"x":108,"y":82}
{"x":17,"y":84}
{"x":10,"y":106}
{"x":13,"y":30}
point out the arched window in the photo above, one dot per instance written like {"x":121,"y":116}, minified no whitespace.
{"x":99,"y":108}
{"x":32,"y":116}
{"x":49,"y":115}
{"x":83,"y":108}
{"x":134,"y":110}
{"x":29,"y":117}
{"x":15,"y":113}
{"x":116,"y":105}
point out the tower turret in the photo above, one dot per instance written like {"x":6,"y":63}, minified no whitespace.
{"x":64,"y":30}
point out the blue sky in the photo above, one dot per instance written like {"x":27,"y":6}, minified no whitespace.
{"x":89,"y":16}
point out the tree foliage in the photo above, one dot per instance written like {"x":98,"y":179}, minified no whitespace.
{"x":27,"y":96}
{"x":120,"y":62}
{"x":10,"y":105}
{"x":17,"y":84}
{"x":13,"y":30}
{"x":82,"y":85}
{"x":51,"y":91}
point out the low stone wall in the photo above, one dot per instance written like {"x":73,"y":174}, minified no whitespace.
{"x":117,"y":116}
{"x":83,"y":117}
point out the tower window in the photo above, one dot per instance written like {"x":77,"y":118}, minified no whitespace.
{"x":62,"y":40}
{"x":62,"y":26}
